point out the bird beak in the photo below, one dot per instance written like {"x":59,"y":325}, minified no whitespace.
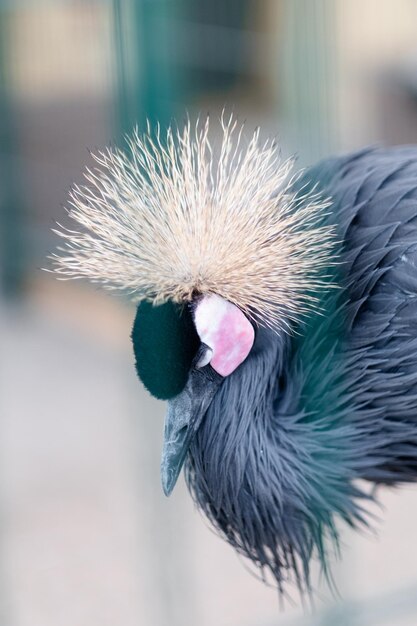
{"x":184,"y":416}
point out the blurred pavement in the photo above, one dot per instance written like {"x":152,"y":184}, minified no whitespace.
{"x":86,"y":535}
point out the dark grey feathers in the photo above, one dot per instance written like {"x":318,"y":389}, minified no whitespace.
{"x":275,"y":461}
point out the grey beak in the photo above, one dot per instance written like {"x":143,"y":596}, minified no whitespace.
{"x":184,"y":416}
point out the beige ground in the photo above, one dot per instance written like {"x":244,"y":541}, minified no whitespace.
{"x":87,"y":537}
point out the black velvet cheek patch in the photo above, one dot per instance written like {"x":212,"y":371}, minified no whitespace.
{"x":165,"y":342}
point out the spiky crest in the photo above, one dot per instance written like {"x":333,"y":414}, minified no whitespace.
{"x":168,"y":219}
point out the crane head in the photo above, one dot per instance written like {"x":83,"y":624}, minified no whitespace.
{"x":210,"y":245}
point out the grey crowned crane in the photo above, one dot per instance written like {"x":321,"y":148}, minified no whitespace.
{"x":277,"y":314}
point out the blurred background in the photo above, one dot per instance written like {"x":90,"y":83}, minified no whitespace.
{"x":86,"y":536}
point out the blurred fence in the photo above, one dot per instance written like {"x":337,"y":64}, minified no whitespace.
{"x":80,"y":74}
{"x":323,"y":75}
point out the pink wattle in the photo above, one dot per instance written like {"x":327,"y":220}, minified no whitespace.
{"x":226,"y":330}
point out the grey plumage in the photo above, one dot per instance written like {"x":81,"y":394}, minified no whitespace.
{"x":274,"y":462}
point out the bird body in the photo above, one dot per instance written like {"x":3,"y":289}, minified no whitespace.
{"x":273,"y":464}
{"x":327,"y":393}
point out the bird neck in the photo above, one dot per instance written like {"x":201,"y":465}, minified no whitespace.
{"x":261,"y":472}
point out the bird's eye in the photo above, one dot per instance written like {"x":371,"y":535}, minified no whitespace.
{"x":206,"y":356}
{"x":226,"y":331}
